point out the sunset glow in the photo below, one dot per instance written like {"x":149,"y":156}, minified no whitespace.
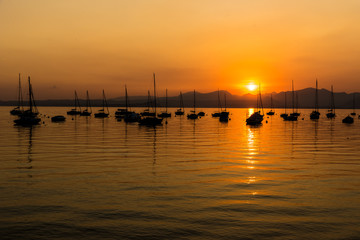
{"x":251,"y":87}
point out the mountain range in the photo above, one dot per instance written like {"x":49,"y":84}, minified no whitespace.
{"x":305,"y":97}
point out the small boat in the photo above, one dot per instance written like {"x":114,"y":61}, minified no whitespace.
{"x":315,"y":114}
{"x":201,"y":114}
{"x":151,"y":120}
{"x":88,"y":110}
{"x":256,"y":118}
{"x":180,"y":111}
{"x":20,"y":108}
{"x":29,"y":117}
{"x":348,"y":119}
{"x":293,"y":116}
{"x":77,"y":109}
{"x":192,"y":114}
{"x":331,"y":111}
{"x":101,"y":113}
{"x":284,"y":115}
{"x":217,"y":114}
{"x":58,"y":118}
{"x":353,"y":113}
{"x":165,"y":114}
{"x":271,"y":113}
{"x":224,"y":115}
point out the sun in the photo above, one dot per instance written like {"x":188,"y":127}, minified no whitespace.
{"x":251,"y":87}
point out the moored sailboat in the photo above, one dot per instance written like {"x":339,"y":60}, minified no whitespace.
{"x":151,"y":120}
{"x":77,"y":109}
{"x":271,"y":113}
{"x":29,"y":117}
{"x":180,"y":111}
{"x":331,"y":111}
{"x":101,"y":113}
{"x":293,"y":116}
{"x":315,"y":114}
{"x":217,"y":114}
{"x":192,"y":114}
{"x":88,"y":110}
{"x":256,"y":118}
{"x":165,"y":114}
{"x":20,"y":108}
{"x":224,"y":115}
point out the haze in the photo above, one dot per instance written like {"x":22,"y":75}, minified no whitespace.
{"x":198,"y":44}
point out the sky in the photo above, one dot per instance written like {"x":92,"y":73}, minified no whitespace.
{"x":189,"y":44}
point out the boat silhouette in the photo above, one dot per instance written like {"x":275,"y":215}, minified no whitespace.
{"x":331,"y":111}
{"x":315,"y":114}
{"x":348,"y":120}
{"x":224,"y":115}
{"x":20,"y":107}
{"x":180,"y":111}
{"x":256,"y":118}
{"x":77,"y":109}
{"x":217,"y":114}
{"x":29,"y":117}
{"x":271,"y":113}
{"x":88,"y":109}
{"x":292,"y":116}
{"x":192,"y":114}
{"x":101,"y":113}
{"x":151,"y":120}
{"x":165,"y":114}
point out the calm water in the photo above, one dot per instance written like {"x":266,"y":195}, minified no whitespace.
{"x":91,"y":178}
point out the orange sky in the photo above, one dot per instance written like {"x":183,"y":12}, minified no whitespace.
{"x":202,"y":44}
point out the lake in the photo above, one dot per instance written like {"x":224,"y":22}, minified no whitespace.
{"x":91,"y":178}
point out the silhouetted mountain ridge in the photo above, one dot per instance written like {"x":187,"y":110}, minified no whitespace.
{"x":306,"y":99}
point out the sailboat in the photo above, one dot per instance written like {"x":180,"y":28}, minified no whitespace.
{"x":217,"y":114}
{"x":348,"y":119}
{"x":315,"y":114}
{"x":180,"y":111}
{"x":165,"y":114}
{"x":331,"y":111}
{"x":130,"y":116}
{"x":353,"y":113}
{"x":224,"y":115}
{"x":122,"y":112}
{"x":193,"y":114}
{"x":101,"y":113}
{"x":20,"y":108}
{"x":147,"y":112}
{"x":88,"y":110}
{"x":152,"y":120}
{"x":293,"y":116}
{"x":256,"y":118}
{"x":271,"y":107}
{"x":29,"y":117}
{"x":284,"y":115}
{"x":77,"y":109}
{"x":296,"y":113}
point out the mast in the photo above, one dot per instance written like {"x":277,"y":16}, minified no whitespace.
{"x":332,"y":100}
{"x":154,"y":96}
{"x":77,"y":102}
{"x":166,"y":102}
{"x":126,"y":99}
{"x":30,"y":96}
{"x":316,"y":97}
{"x":105,"y":102}
{"x":194,"y":100}
{"x":354,"y":102}
{"x":260,"y":100}
{"x":293,"y":97}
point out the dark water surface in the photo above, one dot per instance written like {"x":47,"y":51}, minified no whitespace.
{"x":93,"y":178}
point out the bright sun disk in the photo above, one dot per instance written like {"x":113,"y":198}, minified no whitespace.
{"x":251,"y":87}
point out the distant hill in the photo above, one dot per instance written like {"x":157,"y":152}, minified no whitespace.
{"x":306,"y":99}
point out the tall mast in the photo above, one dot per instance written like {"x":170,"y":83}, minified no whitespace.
{"x":260,"y":100}
{"x":354,"y":102}
{"x":126,"y":99}
{"x":316,"y":97}
{"x":194,"y":100}
{"x":293,"y":96}
{"x":30,"y":96}
{"x":154,"y":95}
{"x":166,"y":102}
